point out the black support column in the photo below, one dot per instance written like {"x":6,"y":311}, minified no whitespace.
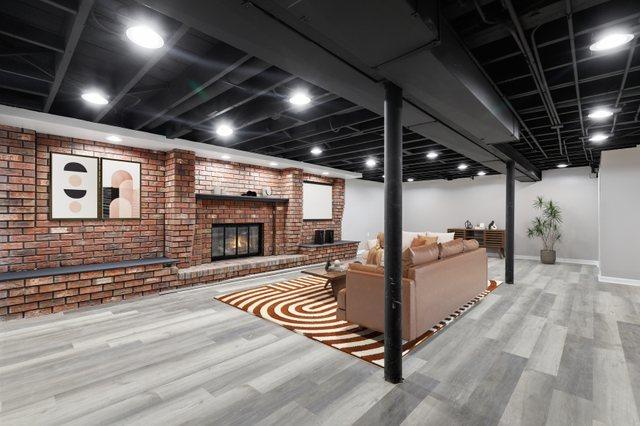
{"x":510,"y":214}
{"x":392,"y":233}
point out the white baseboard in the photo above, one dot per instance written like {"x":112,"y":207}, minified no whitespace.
{"x":616,"y":280}
{"x":562,"y":260}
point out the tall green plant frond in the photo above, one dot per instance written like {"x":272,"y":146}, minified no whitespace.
{"x":547,"y":225}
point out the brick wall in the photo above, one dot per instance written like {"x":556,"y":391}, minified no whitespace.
{"x":173,"y":223}
{"x":32,"y":240}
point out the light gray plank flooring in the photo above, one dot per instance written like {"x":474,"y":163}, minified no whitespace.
{"x":556,"y":348}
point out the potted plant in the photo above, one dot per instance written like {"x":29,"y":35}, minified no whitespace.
{"x":547,"y":228}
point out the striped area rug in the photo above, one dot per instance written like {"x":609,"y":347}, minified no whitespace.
{"x":305,"y":306}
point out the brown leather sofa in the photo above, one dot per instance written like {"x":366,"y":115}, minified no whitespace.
{"x":430,"y":292}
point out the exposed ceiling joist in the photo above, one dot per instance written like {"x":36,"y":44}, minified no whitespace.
{"x":64,"y":60}
{"x":16,"y":29}
{"x":153,"y":59}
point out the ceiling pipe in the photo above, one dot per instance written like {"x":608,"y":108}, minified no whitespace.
{"x":576,"y":79}
{"x":497,"y":89}
{"x":624,"y":82}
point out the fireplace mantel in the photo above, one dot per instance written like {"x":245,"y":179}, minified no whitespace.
{"x":241,"y":198}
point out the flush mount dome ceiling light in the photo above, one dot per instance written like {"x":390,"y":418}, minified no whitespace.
{"x":95,"y":98}
{"x":432,"y":155}
{"x":482,"y":173}
{"x":145,"y":36}
{"x":224,"y":130}
{"x":273,"y":163}
{"x":410,"y":180}
{"x":611,"y":41}
{"x":316,"y":151}
{"x":562,"y":165}
{"x":371,"y":162}
{"x":325,"y":173}
{"x":462,"y":166}
{"x":226,"y":157}
{"x":599,"y":137}
{"x":600,"y":113}
{"x":114,"y":138}
{"x":299,"y":99}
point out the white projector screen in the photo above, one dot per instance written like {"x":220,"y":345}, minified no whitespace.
{"x":317,"y":201}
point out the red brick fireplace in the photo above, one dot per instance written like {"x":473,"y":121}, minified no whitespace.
{"x":178,"y":212}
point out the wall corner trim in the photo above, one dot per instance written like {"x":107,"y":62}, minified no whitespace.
{"x":562,"y":260}
{"x":616,"y":280}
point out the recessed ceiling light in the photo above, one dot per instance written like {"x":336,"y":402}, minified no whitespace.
{"x":599,"y":137}
{"x":316,"y":151}
{"x":114,"y":138}
{"x":611,"y":41}
{"x":325,"y":173}
{"x":410,"y":180}
{"x":299,"y":99}
{"x":432,"y":155}
{"x":226,"y":157}
{"x":224,"y":130}
{"x":482,"y":173}
{"x":273,"y":163}
{"x":144,"y":36}
{"x":462,"y":166}
{"x":562,"y":165}
{"x":95,"y":98}
{"x":382,"y":176}
{"x":600,"y":113}
{"x":371,"y":162}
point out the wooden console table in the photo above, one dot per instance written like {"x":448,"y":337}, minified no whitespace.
{"x":488,"y":238}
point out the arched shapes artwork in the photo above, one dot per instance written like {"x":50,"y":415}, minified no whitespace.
{"x":120,"y":189}
{"x":73,"y":187}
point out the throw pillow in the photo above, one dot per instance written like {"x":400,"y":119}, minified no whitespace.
{"x":443,"y":237}
{"x":451,"y":248}
{"x":407,"y":238}
{"x":423,"y":254}
{"x":381,"y":239}
{"x":372,"y":243}
{"x":470,"y":245}
{"x":374,"y":256}
{"x":423,"y":240}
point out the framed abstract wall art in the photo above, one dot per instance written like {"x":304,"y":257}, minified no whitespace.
{"x":73,"y":187}
{"x":120,"y":189}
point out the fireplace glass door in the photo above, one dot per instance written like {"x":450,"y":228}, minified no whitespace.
{"x":236,"y":240}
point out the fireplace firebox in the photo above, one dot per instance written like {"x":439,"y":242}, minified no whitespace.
{"x":231,"y":241}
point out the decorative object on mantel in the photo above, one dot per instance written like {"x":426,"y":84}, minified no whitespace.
{"x":480,"y":226}
{"x":328,"y":236}
{"x":547,"y":228}
{"x":266,"y":191}
{"x":493,"y":225}
{"x":318,"y":236}
{"x":468,"y":224}
{"x":250,"y":194}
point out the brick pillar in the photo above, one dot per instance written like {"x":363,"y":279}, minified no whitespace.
{"x":338,"y":207}
{"x":180,"y":205}
{"x":292,"y":189}
{"x":17,"y":199}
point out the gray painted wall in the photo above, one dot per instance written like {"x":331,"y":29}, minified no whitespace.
{"x":620,"y":214}
{"x":437,"y":205}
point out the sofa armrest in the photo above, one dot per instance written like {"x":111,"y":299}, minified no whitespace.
{"x":365,"y":302}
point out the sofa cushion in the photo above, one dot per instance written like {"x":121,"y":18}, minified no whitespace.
{"x":423,"y":240}
{"x":342,"y":298}
{"x":451,"y":248}
{"x":359,"y":267}
{"x":423,"y":254}
{"x":470,"y":245}
{"x":443,"y":237}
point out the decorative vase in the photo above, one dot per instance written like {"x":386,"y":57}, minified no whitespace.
{"x":548,"y":257}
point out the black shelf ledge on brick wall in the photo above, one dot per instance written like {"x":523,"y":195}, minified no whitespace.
{"x":77,"y":269}
{"x":335,"y":243}
{"x":241,"y":198}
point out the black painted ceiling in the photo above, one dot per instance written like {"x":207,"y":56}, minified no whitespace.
{"x":184,"y":90}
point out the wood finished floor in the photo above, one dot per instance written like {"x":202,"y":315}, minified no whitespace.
{"x":557,"y":348}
